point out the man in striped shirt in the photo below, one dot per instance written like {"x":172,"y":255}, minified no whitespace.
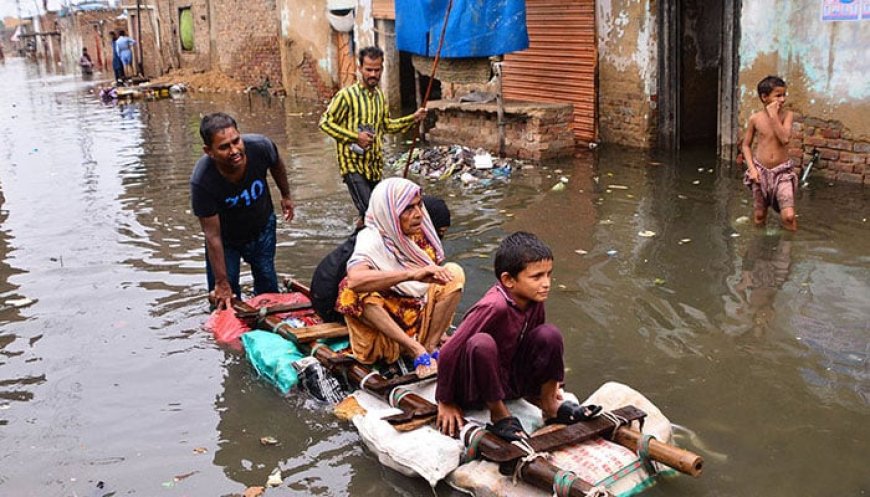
{"x":357,"y":118}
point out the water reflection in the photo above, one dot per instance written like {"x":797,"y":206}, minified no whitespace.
{"x":764,"y":271}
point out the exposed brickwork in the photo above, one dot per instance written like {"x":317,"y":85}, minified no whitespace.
{"x":532,"y":131}
{"x":247,"y":40}
{"x":308,"y":68}
{"x":624,"y":115}
{"x":841,"y":157}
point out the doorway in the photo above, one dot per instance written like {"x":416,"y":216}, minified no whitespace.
{"x":697,"y":75}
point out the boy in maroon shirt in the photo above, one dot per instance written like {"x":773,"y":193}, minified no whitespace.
{"x":503,"y":350}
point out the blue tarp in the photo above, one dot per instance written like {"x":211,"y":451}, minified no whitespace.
{"x":476,"y":28}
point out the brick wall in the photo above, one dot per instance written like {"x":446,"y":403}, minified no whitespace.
{"x":172,"y":56}
{"x":841,"y":157}
{"x":152,"y":64}
{"x":533,"y":131}
{"x":247,"y":40}
{"x":624,"y":115}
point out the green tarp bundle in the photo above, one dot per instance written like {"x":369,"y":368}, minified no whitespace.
{"x":273,"y":357}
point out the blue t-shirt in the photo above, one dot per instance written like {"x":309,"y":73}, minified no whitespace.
{"x":243,"y":208}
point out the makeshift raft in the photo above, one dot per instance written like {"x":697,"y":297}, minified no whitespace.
{"x":620,"y":453}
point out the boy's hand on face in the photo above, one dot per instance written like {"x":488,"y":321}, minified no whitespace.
{"x":773,"y":108}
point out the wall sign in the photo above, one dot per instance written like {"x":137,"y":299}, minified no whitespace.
{"x":845,"y":10}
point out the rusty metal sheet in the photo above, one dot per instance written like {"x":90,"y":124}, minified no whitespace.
{"x":561,"y":62}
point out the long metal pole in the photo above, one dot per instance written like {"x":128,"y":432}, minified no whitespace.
{"x":139,"y":34}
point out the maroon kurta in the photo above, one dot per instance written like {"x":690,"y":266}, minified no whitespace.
{"x":499,"y":352}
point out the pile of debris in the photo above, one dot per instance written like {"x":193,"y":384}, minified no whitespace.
{"x":470,"y":166}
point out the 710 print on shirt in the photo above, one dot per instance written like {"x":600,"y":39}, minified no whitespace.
{"x":256,"y":190}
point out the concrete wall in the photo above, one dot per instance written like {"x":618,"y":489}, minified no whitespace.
{"x":826,"y":67}
{"x":307,"y":49}
{"x":627,"y":71}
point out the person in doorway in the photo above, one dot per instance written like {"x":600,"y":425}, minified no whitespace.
{"x":124,"y":47}
{"x":504,"y":350}
{"x":398,"y":299}
{"x":333,"y":268}
{"x":769,"y":172}
{"x":85,"y":62}
{"x":117,"y":65}
{"x":230,"y":195}
{"x":357,"y":118}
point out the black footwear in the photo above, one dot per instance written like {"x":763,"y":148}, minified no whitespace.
{"x":571,"y":412}
{"x":509,"y":429}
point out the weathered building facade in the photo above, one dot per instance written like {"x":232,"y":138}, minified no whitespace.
{"x":674,"y":74}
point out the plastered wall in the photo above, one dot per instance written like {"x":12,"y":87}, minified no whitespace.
{"x":627,"y":71}
{"x":826,"y":67}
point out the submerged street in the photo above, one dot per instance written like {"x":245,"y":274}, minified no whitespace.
{"x":754,"y":340}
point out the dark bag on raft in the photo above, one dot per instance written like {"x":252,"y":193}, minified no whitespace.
{"x":328,"y":274}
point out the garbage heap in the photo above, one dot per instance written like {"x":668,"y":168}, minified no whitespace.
{"x":472,"y":167}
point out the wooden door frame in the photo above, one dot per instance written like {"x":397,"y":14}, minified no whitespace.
{"x":669,"y":78}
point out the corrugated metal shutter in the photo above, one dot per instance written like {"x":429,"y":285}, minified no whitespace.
{"x":384,"y":9}
{"x":560,"y":63}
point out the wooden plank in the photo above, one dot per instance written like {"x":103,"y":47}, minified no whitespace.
{"x":571,"y":434}
{"x":318,"y":331}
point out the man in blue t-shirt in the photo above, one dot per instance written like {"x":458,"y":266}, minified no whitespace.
{"x":230,"y":196}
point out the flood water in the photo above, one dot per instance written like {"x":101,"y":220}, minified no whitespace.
{"x":754,"y":339}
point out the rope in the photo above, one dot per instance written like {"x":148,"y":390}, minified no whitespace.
{"x":562,"y":482}
{"x":317,"y":346}
{"x":471,"y":450}
{"x":643,"y":454}
{"x":530,"y":456}
{"x":617,"y":421}
{"x":429,"y":87}
{"x":397,"y":394}
{"x":362,"y":382}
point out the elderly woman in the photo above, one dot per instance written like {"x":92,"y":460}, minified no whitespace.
{"x":397,"y":299}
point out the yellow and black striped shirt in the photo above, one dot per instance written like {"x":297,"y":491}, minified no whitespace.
{"x":351,"y":107}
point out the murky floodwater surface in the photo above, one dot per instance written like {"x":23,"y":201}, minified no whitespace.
{"x":754,"y":339}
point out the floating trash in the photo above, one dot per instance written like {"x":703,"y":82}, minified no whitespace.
{"x":200,"y":450}
{"x":659,"y":281}
{"x":741,"y":220}
{"x":696,"y":182}
{"x":483,"y":161}
{"x":268,"y":441}
{"x":647,"y":233}
{"x":735,"y":235}
{"x":581,"y":251}
{"x":275,"y":479}
{"x":455,"y":161}
{"x":558,"y":187}
{"x":684,"y":241}
{"x":617,"y":187}
{"x":682,"y":197}
{"x":612,"y":252}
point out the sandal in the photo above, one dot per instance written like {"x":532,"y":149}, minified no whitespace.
{"x":425,"y":366}
{"x":508,"y":428}
{"x":571,"y":412}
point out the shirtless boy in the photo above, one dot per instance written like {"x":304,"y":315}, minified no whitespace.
{"x":769,"y":172}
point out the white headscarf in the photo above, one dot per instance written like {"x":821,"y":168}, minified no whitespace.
{"x":382,"y":244}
